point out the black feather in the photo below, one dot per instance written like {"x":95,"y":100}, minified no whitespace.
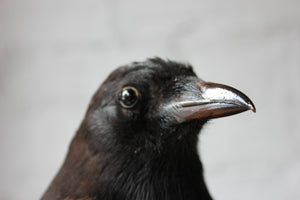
{"x":134,"y":154}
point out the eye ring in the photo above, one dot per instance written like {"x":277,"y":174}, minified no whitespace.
{"x":129,"y":97}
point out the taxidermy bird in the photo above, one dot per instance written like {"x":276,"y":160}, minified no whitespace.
{"x":138,"y":139}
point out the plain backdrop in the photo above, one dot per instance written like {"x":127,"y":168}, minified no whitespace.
{"x":55,"y":54}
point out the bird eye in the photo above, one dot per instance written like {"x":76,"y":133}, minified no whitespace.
{"x":129,"y":97}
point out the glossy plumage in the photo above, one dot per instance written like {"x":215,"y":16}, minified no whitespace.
{"x":139,"y":152}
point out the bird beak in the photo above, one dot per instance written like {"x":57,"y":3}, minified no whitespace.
{"x":213,"y":100}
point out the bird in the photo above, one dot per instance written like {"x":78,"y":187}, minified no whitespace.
{"x":138,"y":139}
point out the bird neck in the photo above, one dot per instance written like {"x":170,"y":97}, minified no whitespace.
{"x":173,"y":174}
{"x":125,"y":174}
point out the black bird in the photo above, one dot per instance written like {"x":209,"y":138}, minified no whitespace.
{"x":138,"y":140}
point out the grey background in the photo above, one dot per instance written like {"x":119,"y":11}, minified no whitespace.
{"x":54,"y":55}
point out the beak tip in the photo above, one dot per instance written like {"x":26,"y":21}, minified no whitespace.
{"x":252,"y":107}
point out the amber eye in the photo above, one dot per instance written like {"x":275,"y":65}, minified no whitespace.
{"x":129,"y":97}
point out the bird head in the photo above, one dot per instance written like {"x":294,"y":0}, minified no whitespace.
{"x":154,"y":104}
{"x":138,"y":139}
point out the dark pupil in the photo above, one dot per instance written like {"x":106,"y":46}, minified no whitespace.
{"x":128,"y":97}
